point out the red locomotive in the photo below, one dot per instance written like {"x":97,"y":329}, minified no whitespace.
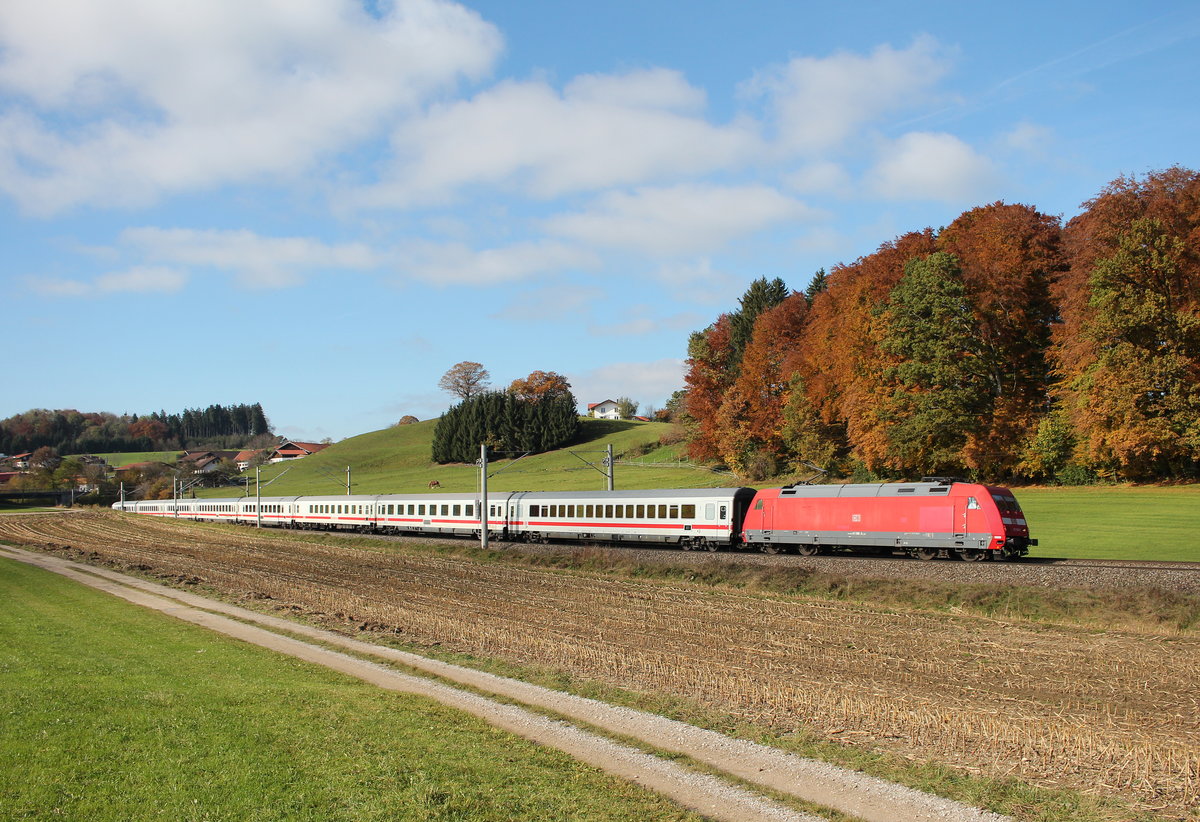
{"x":928,"y":519}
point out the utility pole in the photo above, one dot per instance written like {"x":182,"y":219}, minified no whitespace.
{"x":258,"y":494}
{"x":483,"y":500}
{"x":347,"y":480}
{"x":610,"y":464}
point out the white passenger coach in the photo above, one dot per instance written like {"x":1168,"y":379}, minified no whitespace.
{"x":700,"y":518}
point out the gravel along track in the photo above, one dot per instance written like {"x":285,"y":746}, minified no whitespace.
{"x":1045,"y":573}
{"x":861,"y":796}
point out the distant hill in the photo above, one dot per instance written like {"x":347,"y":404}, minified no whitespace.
{"x":397,"y":460}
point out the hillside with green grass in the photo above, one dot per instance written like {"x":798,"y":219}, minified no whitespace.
{"x":397,"y":461}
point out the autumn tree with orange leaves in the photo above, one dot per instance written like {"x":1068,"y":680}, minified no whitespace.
{"x":539,"y":385}
{"x":1127,"y":351}
{"x":749,"y":419}
{"x":1002,"y":346}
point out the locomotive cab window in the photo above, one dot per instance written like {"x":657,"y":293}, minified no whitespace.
{"x":972,"y":504}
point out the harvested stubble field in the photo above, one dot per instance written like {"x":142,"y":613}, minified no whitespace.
{"x":1109,"y":712}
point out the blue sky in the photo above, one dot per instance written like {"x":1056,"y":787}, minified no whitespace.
{"x":322,"y":205}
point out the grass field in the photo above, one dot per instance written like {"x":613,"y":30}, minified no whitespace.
{"x":129,"y":458}
{"x":115,"y":713}
{"x":1115,"y":522}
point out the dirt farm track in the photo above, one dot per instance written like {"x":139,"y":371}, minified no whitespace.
{"x":1110,"y":712}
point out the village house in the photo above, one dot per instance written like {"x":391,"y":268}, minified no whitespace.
{"x":294,"y":450}
{"x":244,"y":458}
{"x":605,"y":410}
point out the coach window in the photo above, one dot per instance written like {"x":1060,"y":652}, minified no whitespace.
{"x":458,"y":510}
{"x":641,"y":512}
{"x":688,"y":511}
{"x":649,"y":512}
{"x":470,"y":512}
{"x":608,"y":512}
{"x":723,"y":512}
{"x":662,"y":512}
{"x":674,"y":512}
{"x":628,"y":511}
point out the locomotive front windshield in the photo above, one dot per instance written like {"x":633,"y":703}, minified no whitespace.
{"x":1010,"y":509}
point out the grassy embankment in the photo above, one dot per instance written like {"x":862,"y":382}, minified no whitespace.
{"x":149,"y":718}
{"x":1098,"y":522}
{"x":132,"y":457}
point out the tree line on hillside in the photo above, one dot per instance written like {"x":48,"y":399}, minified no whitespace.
{"x":74,"y":432}
{"x":1005,"y":346}
{"x":534,"y":414}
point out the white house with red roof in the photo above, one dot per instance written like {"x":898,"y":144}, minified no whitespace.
{"x":294,"y":450}
{"x":606,"y":410}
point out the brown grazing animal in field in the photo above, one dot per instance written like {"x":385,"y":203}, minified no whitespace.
{"x":434,"y":484}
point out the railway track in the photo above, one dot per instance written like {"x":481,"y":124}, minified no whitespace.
{"x":1182,"y":577}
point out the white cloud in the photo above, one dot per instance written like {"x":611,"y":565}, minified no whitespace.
{"x":698,"y":281}
{"x":257,"y":261}
{"x":1028,"y":138}
{"x":649,"y":383}
{"x":120,"y":101}
{"x":819,"y":103}
{"x":561,"y":302}
{"x":929,"y":166}
{"x":601,"y":131}
{"x":820,"y":178}
{"x":680,"y":219}
{"x":639,"y":321}
{"x":456,"y":263}
{"x":143,"y":279}
{"x":136,"y":280}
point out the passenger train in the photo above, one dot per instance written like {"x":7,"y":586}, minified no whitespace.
{"x":929,"y":519}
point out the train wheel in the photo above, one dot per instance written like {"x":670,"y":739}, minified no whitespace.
{"x":771,"y":548}
{"x":808,"y":550}
{"x":973,"y":554}
{"x":709,"y":546}
{"x":926,"y":554}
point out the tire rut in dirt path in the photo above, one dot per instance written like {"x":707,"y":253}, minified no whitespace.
{"x":865,"y":797}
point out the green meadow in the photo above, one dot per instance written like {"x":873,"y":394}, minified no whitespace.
{"x":396,"y":460}
{"x":129,"y":458}
{"x":1115,"y":522}
{"x":112,"y":712}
